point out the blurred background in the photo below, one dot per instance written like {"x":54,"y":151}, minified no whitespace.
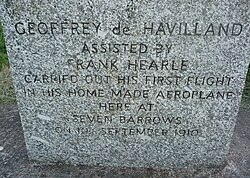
{"x":7,"y":94}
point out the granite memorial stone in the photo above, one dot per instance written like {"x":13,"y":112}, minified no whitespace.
{"x":128,"y":83}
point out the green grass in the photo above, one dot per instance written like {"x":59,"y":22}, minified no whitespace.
{"x":246,"y":94}
{"x":7,"y":94}
{"x":3,"y":53}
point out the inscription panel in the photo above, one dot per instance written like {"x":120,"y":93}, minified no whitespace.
{"x":128,"y":83}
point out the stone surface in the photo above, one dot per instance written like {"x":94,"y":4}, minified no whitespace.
{"x":128,"y":83}
{"x":14,"y":160}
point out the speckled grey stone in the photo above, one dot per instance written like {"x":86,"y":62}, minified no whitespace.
{"x":128,"y":83}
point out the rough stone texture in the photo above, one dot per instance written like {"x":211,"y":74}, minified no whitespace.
{"x":14,"y":160}
{"x":187,"y":132}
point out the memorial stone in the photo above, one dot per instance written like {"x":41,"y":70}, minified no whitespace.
{"x":128,"y":83}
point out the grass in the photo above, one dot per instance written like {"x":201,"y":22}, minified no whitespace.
{"x":3,"y":53}
{"x":246,"y":94}
{"x":7,"y":94}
